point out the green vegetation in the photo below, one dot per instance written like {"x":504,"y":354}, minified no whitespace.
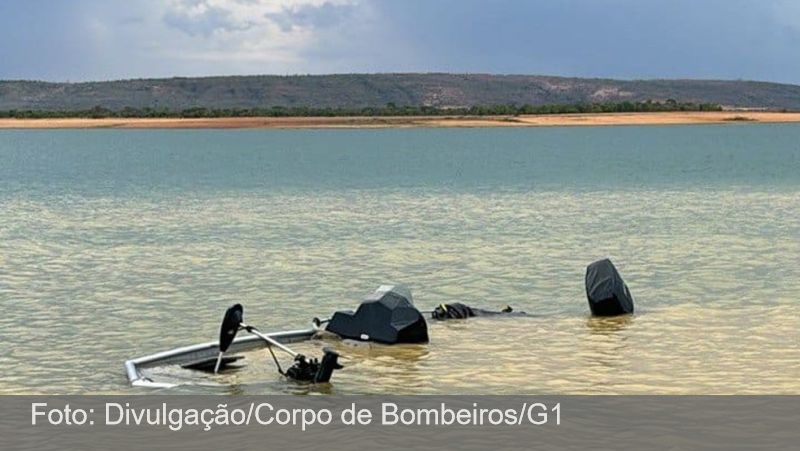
{"x":388,"y":111}
{"x":739,"y":119}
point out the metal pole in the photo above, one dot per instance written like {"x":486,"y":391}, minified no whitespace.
{"x":269,"y":340}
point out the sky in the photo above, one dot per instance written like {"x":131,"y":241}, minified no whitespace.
{"x":77,"y":40}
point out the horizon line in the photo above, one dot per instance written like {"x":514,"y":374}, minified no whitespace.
{"x":335,"y":74}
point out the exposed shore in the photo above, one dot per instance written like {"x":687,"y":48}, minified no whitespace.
{"x":597,"y":119}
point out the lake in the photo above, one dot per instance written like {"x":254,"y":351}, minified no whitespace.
{"x":116,"y":244}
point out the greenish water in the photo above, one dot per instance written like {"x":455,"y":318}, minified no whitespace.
{"x":115,"y":244}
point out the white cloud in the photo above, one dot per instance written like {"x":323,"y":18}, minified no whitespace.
{"x":271,"y":32}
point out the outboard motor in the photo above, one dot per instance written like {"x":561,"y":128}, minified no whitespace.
{"x":607,"y":293}
{"x":386,"y":316}
{"x":313,"y":370}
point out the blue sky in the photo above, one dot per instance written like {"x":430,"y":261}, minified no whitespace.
{"x":110,"y":39}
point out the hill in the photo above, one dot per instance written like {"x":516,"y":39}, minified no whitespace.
{"x":378,"y":90}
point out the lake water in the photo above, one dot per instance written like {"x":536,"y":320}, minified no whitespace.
{"x":116,"y":244}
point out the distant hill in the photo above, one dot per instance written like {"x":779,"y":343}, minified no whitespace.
{"x":378,"y":90}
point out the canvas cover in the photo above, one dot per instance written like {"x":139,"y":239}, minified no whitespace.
{"x":386,"y":316}
{"x":607,"y":293}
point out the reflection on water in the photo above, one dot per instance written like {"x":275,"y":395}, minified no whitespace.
{"x":608,"y":325}
{"x":92,"y":274}
{"x":604,"y":347}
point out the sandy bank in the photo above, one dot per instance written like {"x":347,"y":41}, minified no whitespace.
{"x":672,"y":118}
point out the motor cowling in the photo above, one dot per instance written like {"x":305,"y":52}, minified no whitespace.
{"x":607,"y":293}
{"x":386,"y":316}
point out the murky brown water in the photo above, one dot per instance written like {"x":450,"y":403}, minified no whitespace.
{"x":88,"y":280}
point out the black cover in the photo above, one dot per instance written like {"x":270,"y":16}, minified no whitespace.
{"x":387,"y":316}
{"x":607,"y":293}
{"x":230,"y":325}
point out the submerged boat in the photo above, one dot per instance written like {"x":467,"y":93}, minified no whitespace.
{"x":203,"y":356}
{"x":387,"y":316}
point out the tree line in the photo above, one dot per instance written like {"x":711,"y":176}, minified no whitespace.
{"x":389,"y":109}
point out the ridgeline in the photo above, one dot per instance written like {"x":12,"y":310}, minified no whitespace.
{"x":382,"y":94}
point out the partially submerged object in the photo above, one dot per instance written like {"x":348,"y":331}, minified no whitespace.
{"x":607,"y":293}
{"x":304,"y":370}
{"x":458,"y":310}
{"x":218,"y":355}
{"x":204,"y":355}
{"x":386,"y":316}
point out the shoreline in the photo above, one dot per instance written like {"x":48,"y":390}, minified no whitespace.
{"x":550,"y":120}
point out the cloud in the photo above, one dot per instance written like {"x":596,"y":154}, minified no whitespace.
{"x":201,"y":19}
{"x":316,"y":16}
{"x":267,"y":31}
{"x":99,"y":39}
